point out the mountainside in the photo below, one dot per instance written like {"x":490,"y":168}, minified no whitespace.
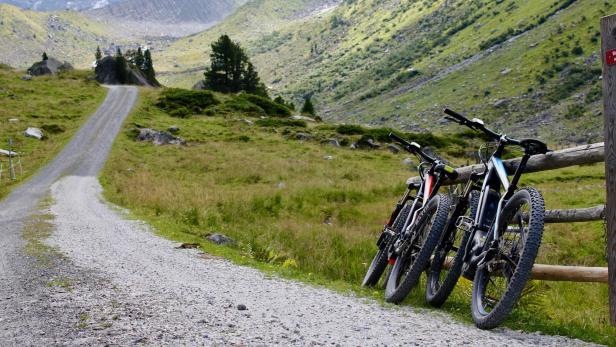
{"x":54,"y":5}
{"x":64,"y":35}
{"x":165,"y":17}
{"x":528,"y":67}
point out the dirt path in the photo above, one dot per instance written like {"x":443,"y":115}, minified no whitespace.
{"x":109,"y":280}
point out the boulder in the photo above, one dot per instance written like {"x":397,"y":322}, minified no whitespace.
{"x":106,"y":73}
{"x":158,"y":138}
{"x":50,"y":66}
{"x":199,"y":85}
{"x":26,"y":78}
{"x":34,"y":132}
{"x":333,"y":142}
{"x":221,"y":240}
{"x":174,"y":129}
{"x":393,"y":148}
{"x":366,"y":143}
{"x":304,"y":118}
{"x":303,"y":137}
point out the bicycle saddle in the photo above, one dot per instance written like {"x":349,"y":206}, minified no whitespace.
{"x":533,"y":146}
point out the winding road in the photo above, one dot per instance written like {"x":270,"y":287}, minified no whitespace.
{"x":107,"y":280}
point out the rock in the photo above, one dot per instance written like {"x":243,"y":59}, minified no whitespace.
{"x":199,"y":85}
{"x":333,"y":142}
{"x":303,"y":137}
{"x":13,"y":120}
{"x":393,"y":148}
{"x":304,"y":118}
{"x":188,"y":246}
{"x":367,"y":143}
{"x":281,"y":185}
{"x":242,"y":307}
{"x":26,"y":78}
{"x":107,"y":73}
{"x":506,"y":71}
{"x":158,"y":137}
{"x":408,"y":162}
{"x":34,"y":132}
{"x":328,"y":157}
{"x":174,"y":129}
{"x":500,"y":103}
{"x":50,"y":66}
{"x":221,"y":240}
{"x":247,"y":121}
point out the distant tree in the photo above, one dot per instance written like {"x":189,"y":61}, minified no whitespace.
{"x":139,"y":59}
{"x":120,"y":67}
{"x":231,"y":71}
{"x":148,"y":68}
{"x":279,"y":99}
{"x":308,"y":107}
{"x":45,"y":57}
{"x":98,"y":55}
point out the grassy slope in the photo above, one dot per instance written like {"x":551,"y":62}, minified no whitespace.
{"x":295,"y":213}
{"x":364,"y":50}
{"x":63,"y":102}
{"x":65,"y":35}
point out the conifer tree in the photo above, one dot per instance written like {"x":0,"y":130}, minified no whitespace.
{"x":120,"y":67}
{"x":139,"y":60}
{"x":45,"y":57}
{"x":98,"y":55}
{"x":148,"y":68}
{"x":308,"y":107}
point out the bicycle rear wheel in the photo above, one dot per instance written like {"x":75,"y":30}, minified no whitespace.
{"x":381,"y":258}
{"x":415,"y":256}
{"x":502,"y":276}
{"x":447,"y":258}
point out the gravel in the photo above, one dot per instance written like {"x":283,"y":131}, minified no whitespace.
{"x":127,"y":286}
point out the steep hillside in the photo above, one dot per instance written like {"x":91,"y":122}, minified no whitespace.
{"x":182,"y":62}
{"x":70,"y":36}
{"x":55,"y":5}
{"x":165,"y":17}
{"x":523,"y":65}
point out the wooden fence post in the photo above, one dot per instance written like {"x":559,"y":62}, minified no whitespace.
{"x":608,"y":50}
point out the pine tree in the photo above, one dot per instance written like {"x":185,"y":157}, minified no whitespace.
{"x":230,"y":70}
{"x":45,"y":57}
{"x":308,"y":107}
{"x":120,"y":67}
{"x":148,"y":68}
{"x":139,"y":60}
{"x":98,"y":55}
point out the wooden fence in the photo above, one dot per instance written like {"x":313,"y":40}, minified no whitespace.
{"x":587,"y":154}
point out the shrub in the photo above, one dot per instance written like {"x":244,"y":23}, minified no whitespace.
{"x":270,"y":107}
{"x":350,"y":129}
{"x":274,"y":122}
{"x":191,"y":100}
{"x":575,"y":111}
{"x":180,"y":112}
{"x":243,"y":105}
{"x":53,"y":128}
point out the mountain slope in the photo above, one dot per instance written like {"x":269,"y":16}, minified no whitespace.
{"x":165,"y":17}
{"x":55,"y":5}
{"x":70,"y":36}
{"x":522,"y":65}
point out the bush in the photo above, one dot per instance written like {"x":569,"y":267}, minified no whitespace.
{"x":575,"y":111}
{"x":274,"y":122}
{"x":191,"y":101}
{"x":243,"y":105}
{"x":53,"y":128}
{"x":350,"y":130}
{"x":181,"y":112}
{"x":270,"y":107}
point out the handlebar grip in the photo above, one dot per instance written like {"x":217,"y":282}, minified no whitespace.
{"x":456,"y":115}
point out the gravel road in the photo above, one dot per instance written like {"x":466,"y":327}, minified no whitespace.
{"x":110,"y":281}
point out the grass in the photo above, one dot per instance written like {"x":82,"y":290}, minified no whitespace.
{"x":59,"y":104}
{"x":297,"y":214}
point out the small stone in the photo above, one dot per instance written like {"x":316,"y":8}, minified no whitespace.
{"x":221,"y":240}
{"x":408,"y":162}
{"x":333,"y":142}
{"x":242,"y":307}
{"x":328,"y":157}
{"x":393,"y":148}
{"x":174,"y":129}
{"x":506,"y":71}
{"x":26,"y":78}
{"x":34,"y":132}
{"x":303,"y":137}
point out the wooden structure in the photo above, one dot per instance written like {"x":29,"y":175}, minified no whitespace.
{"x":608,"y":52}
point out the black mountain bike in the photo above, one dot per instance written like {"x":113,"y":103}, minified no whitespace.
{"x":498,"y":241}
{"x":397,"y":231}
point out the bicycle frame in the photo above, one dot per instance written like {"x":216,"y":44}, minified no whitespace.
{"x":496,"y":179}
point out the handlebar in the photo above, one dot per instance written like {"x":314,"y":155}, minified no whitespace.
{"x":478,"y":125}
{"x":416,"y":149}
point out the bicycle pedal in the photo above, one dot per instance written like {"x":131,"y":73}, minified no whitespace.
{"x":464,"y":223}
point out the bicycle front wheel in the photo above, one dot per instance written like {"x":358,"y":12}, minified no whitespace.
{"x":501,"y":277}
